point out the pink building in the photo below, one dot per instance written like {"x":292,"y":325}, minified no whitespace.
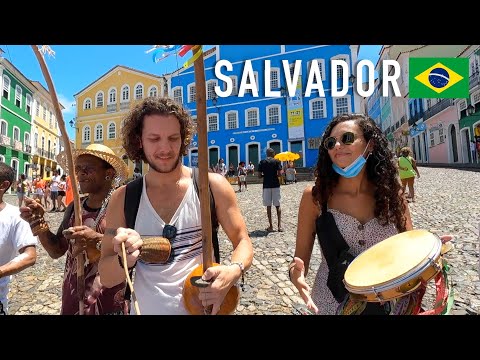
{"x":443,"y":135}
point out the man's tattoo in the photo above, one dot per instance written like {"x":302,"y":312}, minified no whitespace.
{"x":110,"y":231}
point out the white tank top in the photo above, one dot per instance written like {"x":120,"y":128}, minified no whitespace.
{"x":158,"y":287}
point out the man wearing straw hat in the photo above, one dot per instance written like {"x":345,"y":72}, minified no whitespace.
{"x":99,"y":172}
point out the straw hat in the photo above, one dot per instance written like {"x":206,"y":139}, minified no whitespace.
{"x":102,"y":152}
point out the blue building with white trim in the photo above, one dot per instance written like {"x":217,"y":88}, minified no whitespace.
{"x":241,"y":128}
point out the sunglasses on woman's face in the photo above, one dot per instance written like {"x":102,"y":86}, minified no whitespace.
{"x":346,"y":139}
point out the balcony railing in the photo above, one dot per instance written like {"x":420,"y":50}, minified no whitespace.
{"x":27,"y":149}
{"x":111,"y":107}
{"x":474,"y":79}
{"x":17,"y":145}
{"x":435,"y":109}
{"x":125,"y":106}
{"x":5,"y":140}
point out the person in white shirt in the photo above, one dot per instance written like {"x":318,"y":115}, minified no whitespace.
{"x":54,"y":189}
{"x":17,"y":244}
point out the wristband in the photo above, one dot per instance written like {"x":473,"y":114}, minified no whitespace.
{"x":242,"y":268}
{"x":120,"y":261}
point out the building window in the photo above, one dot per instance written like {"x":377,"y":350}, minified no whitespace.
{"x":112,"y":131}
{"x":16,"y":133}
{"x":341,"y":106}
{"x":191,"y":93}
{"x":232,"y":120}
{"x":37,"y":109}
{"x":252,"y":118}
{"x":112,"y":96}
{"x":139,"y":92}
{"x":99,"y":100}
{"x":273,"y":115}
{"x":321,"y":67}
{"x":125,"y":93}
{"x":18,"y":96}
{"x":87,"y":104}
{"x":177,"y":95}
{"x":432,"y":139}
{"x":3,"y":127}
{"x":213,"y":122}
{"x":234,"y":86}
{"x":317,"y":109}
{"x":26,"y":138}
{"x":98,"y":132}
{"x":441,"y":136}
{"x":274,"y":78}
{"x":85,"y":134}
{"x":255,"y":75}
{"x":44,"y":112}
{"x":153,"y":91}
{"x":28,"y":107}
{"x":339,"y":68}
{"x":6,"y":87}
{"x":211,"y":89}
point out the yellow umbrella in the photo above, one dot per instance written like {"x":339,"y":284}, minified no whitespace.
{"x":287,"y":156}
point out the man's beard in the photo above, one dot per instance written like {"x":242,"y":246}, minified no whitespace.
{"x":164,"y":171}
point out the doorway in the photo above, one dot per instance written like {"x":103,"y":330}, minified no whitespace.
{"x":213,"y":156}
{"x":297,"y":147}
{"x":232,"y":156}
{"x":453,"y":142}
{"x":253,"y":154}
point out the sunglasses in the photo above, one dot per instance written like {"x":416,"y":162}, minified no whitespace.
{"x":169,"y":232}
{"x":346,"y":139}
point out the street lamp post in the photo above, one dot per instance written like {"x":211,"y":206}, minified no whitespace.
{"x":470,"y":110}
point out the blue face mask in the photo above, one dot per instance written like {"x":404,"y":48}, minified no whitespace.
{"x":354,"y":168}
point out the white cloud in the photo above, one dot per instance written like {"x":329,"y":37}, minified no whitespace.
{"x":68,"y":104}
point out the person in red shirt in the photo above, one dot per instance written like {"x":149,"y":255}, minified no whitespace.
{"x":69,"y":191}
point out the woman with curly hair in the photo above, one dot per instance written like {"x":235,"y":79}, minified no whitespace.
{"x":357,"y":182}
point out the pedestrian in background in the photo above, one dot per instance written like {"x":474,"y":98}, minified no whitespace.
{"x":270,"y":170}
{"x":17,"y":244}
{"x":408,"y":171}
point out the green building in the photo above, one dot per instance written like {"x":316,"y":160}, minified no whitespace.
{"x":16,"y":103}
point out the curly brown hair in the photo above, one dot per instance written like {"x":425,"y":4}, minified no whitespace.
{"x":380,"y":168}
{"x":133,"y":124}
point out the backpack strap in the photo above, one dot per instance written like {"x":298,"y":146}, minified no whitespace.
{"x":133,"y":193}
{"x":213,"y":214}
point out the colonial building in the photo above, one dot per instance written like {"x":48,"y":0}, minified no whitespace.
{"x":15,"y":118}
{"x":102,"y":105}
{"x":46,"y":139}
{"x":241,"y":128}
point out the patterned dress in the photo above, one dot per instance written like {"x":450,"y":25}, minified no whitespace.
{"x":98,"y":299}
{"x":359,"y":237}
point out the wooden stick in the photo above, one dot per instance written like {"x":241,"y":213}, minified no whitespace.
{"x":73,"y":176}
{"x":200,"y":97}
{"x":129,"y":281}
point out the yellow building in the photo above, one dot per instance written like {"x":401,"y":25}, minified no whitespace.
{"x":103,"y":104}
{"x":46,"y":139}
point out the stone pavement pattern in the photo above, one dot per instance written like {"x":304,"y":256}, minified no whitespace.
{"x":446,"y":203}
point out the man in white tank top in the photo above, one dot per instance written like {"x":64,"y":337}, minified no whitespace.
{"x":169,"y":201}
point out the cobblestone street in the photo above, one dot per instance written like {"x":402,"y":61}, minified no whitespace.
{"x":446,"y":204}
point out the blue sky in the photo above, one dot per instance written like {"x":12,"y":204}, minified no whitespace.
{"x":76,"y":66}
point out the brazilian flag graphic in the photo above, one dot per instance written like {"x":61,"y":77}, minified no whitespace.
{"x":442,"y":78}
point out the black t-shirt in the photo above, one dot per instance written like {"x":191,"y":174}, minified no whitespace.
{"x":269,"y":167}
